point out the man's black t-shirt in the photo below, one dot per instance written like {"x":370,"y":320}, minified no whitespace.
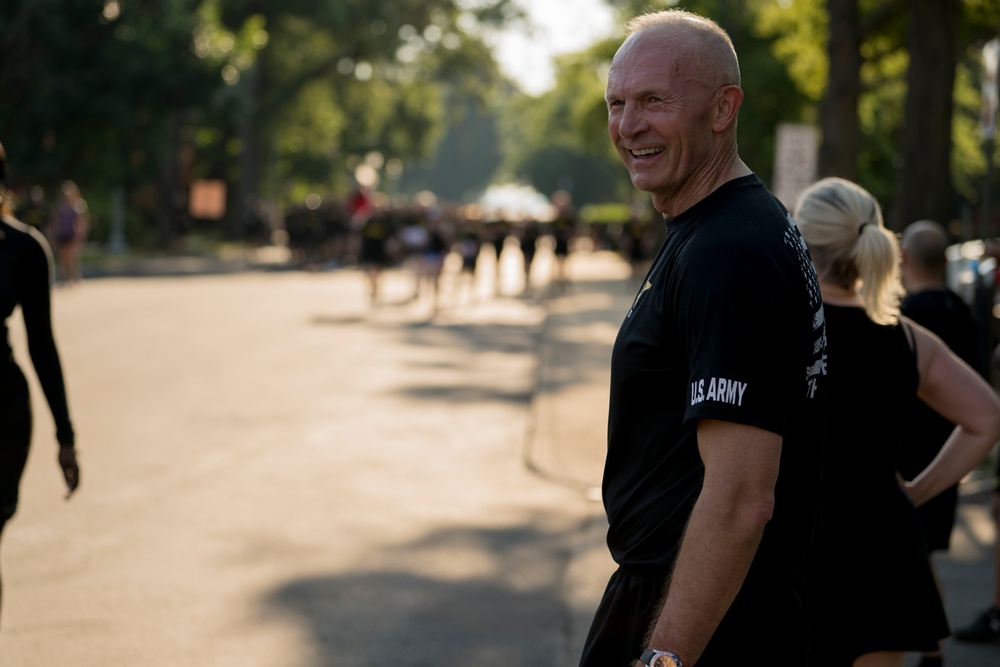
{"x":728,"y":325}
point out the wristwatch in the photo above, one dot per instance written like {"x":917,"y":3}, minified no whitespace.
{"x":651,"y":657}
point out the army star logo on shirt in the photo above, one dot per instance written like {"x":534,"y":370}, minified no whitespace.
{"x":647,"y":286}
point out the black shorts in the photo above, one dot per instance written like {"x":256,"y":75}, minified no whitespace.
{"x":766,"y":625}
{"x":15,"y":436}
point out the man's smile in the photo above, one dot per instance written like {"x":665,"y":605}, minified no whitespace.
{"x":644,"y":152}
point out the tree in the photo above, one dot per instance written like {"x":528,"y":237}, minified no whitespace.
{"x":278,"y":98}
{"x":90,"y":90}
{"x":340,"y":80}
{"x":561,"y":136}
{"x":925,"y":182}
{"x":558,"y":140}
{"x":898,"y":75}
{"x":838,"y":110}
{"x":465,"y":161}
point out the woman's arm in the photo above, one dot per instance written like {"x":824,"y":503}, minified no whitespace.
{"x":959,"y":394}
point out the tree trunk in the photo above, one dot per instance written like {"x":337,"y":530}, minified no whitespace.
{"x":245,"y":205}
{"x":924,"y":177}
{"x":838,"y":111}
{"x":168,"y":184}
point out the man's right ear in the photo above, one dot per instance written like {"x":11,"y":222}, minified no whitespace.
{"x":728,"y":101}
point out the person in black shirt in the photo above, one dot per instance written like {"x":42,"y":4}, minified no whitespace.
{"x":870,"y":584}
{"x":716,"y":414}
{"x":376,"y":232}
{"x":26,"y":275}
{"x":929,"y":302}
{"x":563,"y":227}
{"x":528,"y":239}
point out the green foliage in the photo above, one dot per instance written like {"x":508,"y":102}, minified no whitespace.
{"x":572,"y":114}
{"x":86,"y":90}
{"x":285,"y":97}
{"x":465,"y":161}
{"x":799,"y":33}
{"x":799,"y":29}
{"x":265,"y":94}
{"x":338,"y":80}
{"x":561,"y":135}
{"x":605,"y":213}
{"x":770,"y":94}
{"x":968,"y":159}
{"x":559,"y":140}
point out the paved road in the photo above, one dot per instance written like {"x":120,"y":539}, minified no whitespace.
{"x":278,"y":475}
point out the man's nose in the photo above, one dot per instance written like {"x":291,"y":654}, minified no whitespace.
{"x":630,"y":121}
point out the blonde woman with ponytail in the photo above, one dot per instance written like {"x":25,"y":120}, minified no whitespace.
{"x":872,"y":593}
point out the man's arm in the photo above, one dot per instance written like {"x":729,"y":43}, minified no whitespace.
{"x":721,"y":537}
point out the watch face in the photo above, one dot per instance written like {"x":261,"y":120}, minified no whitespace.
{"x":663,"y":660}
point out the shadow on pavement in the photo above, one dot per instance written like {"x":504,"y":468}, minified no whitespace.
{"x":486,"y":597}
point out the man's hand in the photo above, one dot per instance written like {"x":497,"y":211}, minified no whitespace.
{"x":70,"y":468}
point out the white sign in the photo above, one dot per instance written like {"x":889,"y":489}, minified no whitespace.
{"x":796,"y":154}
